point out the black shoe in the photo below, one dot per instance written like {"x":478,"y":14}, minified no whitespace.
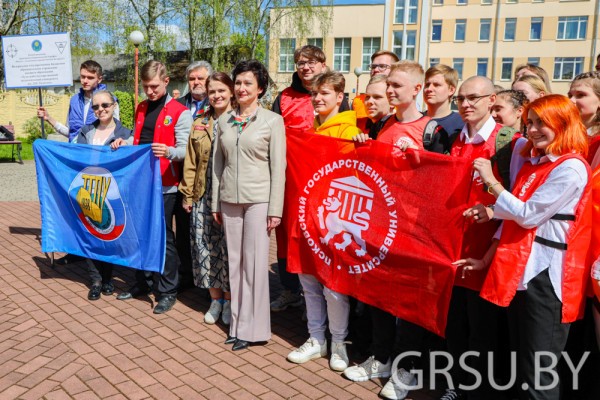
{"x":68,"y":259}
{"x":108,"y":289}
{"x":240,"y":345}
{"x":165,"y":303}
{"x":94,"y":293}
{"x":134,"y":291}
{"x":230,"y":339}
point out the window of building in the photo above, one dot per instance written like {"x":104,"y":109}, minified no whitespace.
{"x":316,"y":42}
{"x":485,"y":26}
{"x":433,"y":62}
{"x":411,"y":44}
{"x":482,"y":66}
{"x":457,"y":64}
{"x":506,"y":73}
{"x":461,"y":2}
{"x":534,"y":61}
{"x":286,"y":55}
{"x":436,"y":30}
{"x":341,"y":54}
{"x":512,"y":1}
{"x":410,"y":13}
{"x":486,"y":2}
{"x":535,"y":33}
{"x":572,"y":28}
{"x":510,"y":27}
{"x":370,"y":46}
{"x":459,"y":30}
{"x":567,"y":68}
{"x":438,"y":2}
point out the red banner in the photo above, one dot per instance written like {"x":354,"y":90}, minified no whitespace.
{"x":377,"y":224}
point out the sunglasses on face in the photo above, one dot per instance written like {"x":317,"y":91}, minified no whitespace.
{"x":96,"y":107}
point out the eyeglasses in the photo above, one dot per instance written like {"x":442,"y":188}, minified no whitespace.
{"x":471,"y":100}
{"x":381,"y":67}
{"x":311,"y":64}
{"x":96,"y":107}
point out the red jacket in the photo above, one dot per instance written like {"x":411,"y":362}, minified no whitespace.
{"x":514,"y":249}
{"x":297,"y":111}
{"x":164,"y":132}
{"x":477,"y":238}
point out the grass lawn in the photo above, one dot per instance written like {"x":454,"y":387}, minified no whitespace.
{"x":5,"y":152}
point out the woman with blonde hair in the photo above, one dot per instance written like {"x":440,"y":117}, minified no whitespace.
{"x":532,"y":86}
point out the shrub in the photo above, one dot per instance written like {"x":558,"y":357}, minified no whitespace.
{"x":33,"y":129}
{"x":125,"y":108}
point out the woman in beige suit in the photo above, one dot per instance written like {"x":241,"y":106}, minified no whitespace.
{"x":248,"y":183}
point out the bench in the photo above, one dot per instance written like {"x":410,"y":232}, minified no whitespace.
{"x":11,"y":129}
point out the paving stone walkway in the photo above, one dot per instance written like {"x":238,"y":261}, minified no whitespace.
{"x":55,"y":344}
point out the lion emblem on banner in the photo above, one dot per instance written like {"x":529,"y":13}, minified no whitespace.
{"x":346,"y":211}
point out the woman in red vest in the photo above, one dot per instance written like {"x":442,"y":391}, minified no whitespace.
{"x":538,"y":270}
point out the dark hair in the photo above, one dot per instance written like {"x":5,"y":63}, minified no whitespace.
{"x":311,"y":52}
{"x":92,"y":66}
{"x":258,"y":69}
{"x":224,"y":79}
{"x":516,"y":97}
{"x":332,"y":78}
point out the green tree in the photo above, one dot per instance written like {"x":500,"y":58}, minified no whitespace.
{"x":125,"y":108}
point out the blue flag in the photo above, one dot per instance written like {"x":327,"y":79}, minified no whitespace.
{"x":102,"y":204}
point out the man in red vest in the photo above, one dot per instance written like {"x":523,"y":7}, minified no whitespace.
{"x":294,"y":104}
{"x":165,"y":124}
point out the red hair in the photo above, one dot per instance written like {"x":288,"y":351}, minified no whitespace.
{"x":560,"y":115}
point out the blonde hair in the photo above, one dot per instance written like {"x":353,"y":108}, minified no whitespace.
{"x":449,"y":73}
{"x":538,"y":71}
{"x":535,"y":82}
{"x":412,"y":68}
{"x":153,"y":68}
{"x":377,"y":79}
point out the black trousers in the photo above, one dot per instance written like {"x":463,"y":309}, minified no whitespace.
{"x":165,"y":283}
{"x":472,"y":326}
{"x":183,"y":240}
{"x":534,"y":318}
{"x":100,"y":272}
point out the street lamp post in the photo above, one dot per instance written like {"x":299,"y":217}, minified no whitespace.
{"x":358,"y":72}
{"x":136,"y":37}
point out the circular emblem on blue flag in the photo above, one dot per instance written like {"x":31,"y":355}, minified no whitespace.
{"x":36,"y":45}
{"x":97,"y":201}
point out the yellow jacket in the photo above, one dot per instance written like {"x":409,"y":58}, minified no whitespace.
{"x":341,"y":126}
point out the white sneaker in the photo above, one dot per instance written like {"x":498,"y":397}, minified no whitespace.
{"x":226,"y":314}
{"x":286,"y":299}
{"x":397,"y":387}
{"x":310,"y":350}
{"x":212,"y":315}
{"x":370,"y":369}
{"x":339,"y":357}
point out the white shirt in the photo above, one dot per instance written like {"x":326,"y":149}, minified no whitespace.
{"x":482,"y":135}
{"x":559,"y":194}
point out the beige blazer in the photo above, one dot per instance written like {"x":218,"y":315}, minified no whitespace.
{"x":250,"y":167}
{"x":193,"y":180}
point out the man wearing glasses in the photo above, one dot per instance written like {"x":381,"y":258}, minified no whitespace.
{"x":381,"y":64}
{"x":294,"y":104}
{"x":473,"y":323}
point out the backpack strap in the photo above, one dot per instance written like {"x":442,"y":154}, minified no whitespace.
{"x":430,"y":130}
{"x":504,"y":153}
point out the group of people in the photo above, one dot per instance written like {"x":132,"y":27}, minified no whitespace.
{"x":530,"y":254}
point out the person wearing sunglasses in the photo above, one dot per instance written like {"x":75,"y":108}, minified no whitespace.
{"x":102,"y":132}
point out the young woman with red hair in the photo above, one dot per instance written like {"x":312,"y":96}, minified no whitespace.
{"x":538,"y":270}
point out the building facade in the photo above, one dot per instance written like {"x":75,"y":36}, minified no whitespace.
{"x":476,"y":37}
